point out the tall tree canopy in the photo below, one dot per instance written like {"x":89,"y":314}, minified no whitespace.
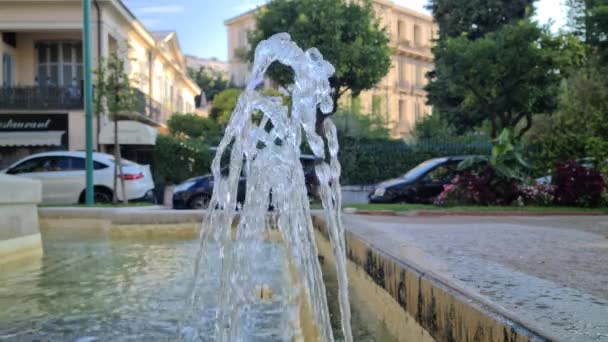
{"x":210,"y":81}
{"x":589,"y":20}
{"x":494,"y":65}
{"x":475,"y":18}
{"x":347,"y":34}
{"x":503,"y":78}
{"x":223,"y":105}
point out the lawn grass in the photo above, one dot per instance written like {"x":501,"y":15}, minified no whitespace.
{"x":414,"y":207}
{"x":98,"y":205}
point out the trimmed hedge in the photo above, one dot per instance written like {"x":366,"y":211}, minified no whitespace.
{"x":368,"y":161}
{"x":177,"y":159}
{"x":364,"y":161}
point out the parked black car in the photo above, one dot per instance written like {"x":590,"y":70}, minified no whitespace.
{"x":195,"y":193}
{"x":421,"y":184}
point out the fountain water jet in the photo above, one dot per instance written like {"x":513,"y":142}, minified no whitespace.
{"x":268,"y":153}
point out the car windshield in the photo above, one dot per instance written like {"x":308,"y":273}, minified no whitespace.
{"x":422,"y":168}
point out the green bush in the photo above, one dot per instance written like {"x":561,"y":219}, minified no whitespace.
{"x":195,"y":126}
{"x":223,"y":105}
{"x":368,"y":161}
{"x":178,"y":158}
{"x":355,"y":124}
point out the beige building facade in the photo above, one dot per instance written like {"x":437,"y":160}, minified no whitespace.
{"x":400,"y":97}
{"x":42,"y":72}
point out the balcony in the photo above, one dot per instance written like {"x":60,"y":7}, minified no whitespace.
{"x":71,"y":98}
{"x":150,"y":108}
{"x":408,"y":48}
{"x":404,"y":85}
{"x":41,"y":98}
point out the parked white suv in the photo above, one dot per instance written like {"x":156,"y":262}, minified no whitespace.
{"x":62,"y":174}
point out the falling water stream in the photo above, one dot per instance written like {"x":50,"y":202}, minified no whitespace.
{"x":266,"y":150}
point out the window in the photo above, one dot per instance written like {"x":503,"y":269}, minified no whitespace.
{"x":402,"y":114}
{"x":401,"y":37}
{"x":32,"y":165}
{"x":180,"y":104}
{"x":419,"y":73}
{"x":442,"y":174}
{"x":144,"y":67}
{"x":7,"y":70}
{"x":376,"y":104}
{"x":401,"y":69}
{"x":59,"y":64}
{"x":416,"y":35}
{"x":53,"y":164}
{"x":78,"y":164}
{"x":166,"y":91}
{"x":41,"y":164}
{"x":417,"y":112}
{"x":355,"y":104}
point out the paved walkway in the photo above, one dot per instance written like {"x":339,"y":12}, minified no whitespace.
{"x":551,"y":272}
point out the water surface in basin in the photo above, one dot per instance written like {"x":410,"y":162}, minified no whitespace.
{"x":90,"y":287}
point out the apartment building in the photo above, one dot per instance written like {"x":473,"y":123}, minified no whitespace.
{"x":41,"y":97}
{"x":400,"y":97}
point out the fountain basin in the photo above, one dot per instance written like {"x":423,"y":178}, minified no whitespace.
{"x":142,"y":255}
{"x":19,"y":232}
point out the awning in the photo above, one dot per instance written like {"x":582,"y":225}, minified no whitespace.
{"x":31,"y":138}
{"x":129,"y":133}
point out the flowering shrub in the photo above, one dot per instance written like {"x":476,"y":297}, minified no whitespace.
{"x":578,"y":185}
{"x":538,"y":194}
{"x":482,"y":186}
{"x":451,"y":195}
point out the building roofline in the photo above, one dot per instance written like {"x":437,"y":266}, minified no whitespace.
{"x":242,"y":15}
{"x":406,"y":10}
{"x":142,"y":29}
{"x":390,"y":3}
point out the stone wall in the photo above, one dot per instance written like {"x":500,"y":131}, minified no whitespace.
{"x":427,"y":308}
{"x":19,"y":227}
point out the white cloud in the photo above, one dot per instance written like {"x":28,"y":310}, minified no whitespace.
{"x":160,"y":9}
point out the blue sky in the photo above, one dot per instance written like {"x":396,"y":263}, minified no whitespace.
{"x":200,"y":23}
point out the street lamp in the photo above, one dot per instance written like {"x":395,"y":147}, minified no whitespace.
{"x":88,"y":100}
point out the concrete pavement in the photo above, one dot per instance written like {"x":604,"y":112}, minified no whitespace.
{"x":548,"y":272}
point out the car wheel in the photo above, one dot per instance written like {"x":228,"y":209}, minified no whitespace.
{"x":102,"y":196}
{"x":199,"y":202}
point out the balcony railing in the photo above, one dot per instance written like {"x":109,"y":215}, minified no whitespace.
{"x":151,"y":108}
{"x":41,"y":98}
{"x":70,"y":98}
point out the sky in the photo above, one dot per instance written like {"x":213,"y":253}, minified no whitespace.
{"x":200,"y":23}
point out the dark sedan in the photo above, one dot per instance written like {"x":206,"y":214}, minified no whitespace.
{"x":421,"y":184}
{"x":195,"y":193}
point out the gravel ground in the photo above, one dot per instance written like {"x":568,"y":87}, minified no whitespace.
{"x":552,"y":271}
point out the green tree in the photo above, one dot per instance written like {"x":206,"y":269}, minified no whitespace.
{"x":347,"y":34}
{"x":355,"y":124}
{"x":503,"y":78}
{"x":588,"y":19}
{"x":195,"y":126}
{"x":475,"y":18}
{"x":432,"y":127}
{"x":580,"y":128}
{"x":224,"y":104}
{"x":210,"y":81}
{"x":115,"y":96}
